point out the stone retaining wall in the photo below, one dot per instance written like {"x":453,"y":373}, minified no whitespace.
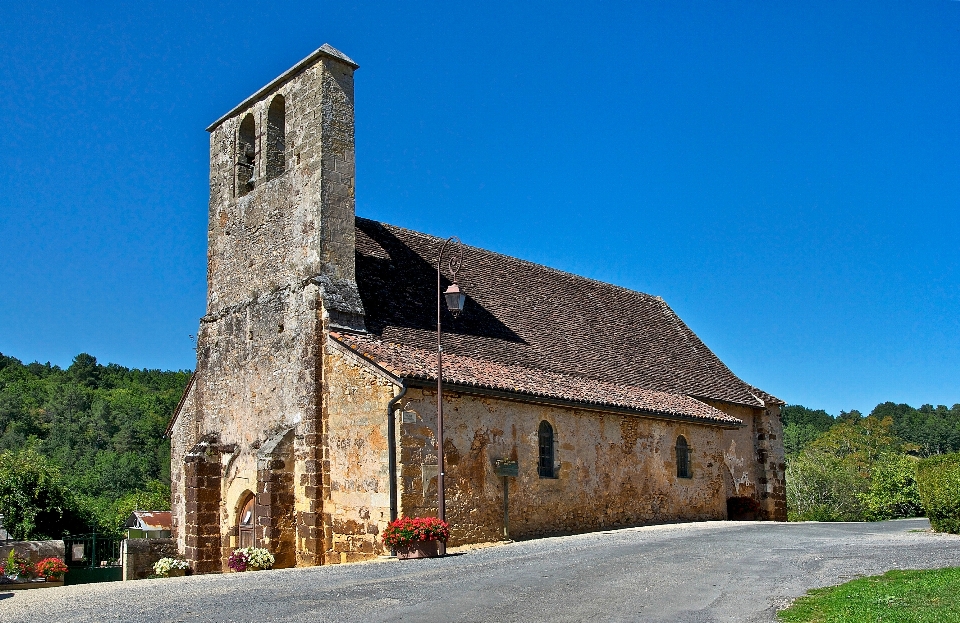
{"x":139,"y":555}
{"x":35,"y":551}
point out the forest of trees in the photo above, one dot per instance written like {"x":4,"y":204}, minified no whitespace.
{"x":862,"y":468}
{"x":82,"y":447}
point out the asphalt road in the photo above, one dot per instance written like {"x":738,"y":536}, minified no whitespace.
{"x":703,"y":572}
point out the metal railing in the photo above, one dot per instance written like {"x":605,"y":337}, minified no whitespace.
{"x":92,"y":550}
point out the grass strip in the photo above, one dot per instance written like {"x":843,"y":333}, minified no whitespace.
{"x":931,"y":596}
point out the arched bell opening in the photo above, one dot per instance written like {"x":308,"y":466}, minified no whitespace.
{"x":276,"y":146}
{"x":246,"y":155}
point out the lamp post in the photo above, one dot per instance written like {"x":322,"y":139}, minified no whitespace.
{"x":455,"y":300}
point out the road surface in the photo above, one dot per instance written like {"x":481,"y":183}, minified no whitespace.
{"x":698,"y":572}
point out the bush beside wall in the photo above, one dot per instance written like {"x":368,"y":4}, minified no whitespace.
{"x":939,"y":481}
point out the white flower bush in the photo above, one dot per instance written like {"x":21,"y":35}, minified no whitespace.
{"x":164,"y":566}
{"x":259,"y":557}
{"x":250,"y":558}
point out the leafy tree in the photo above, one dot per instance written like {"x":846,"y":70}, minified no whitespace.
{"x":934,"y":430}
{"x":821,"y":487}
{"x":893,"y":491}
{"x":800,"y":415}
{"x":111,"y":514}
{"x":35,"y":502}
{"x":801,"y":426}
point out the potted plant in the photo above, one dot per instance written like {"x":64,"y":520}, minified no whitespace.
{"x":251,"y":559}
{"x":17,"y":567}
{"x":51,"y":569}
{"x":416,"y":537}
{"x":171,"y":567}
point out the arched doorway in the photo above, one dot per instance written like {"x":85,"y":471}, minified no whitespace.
{"x":247,"y":521}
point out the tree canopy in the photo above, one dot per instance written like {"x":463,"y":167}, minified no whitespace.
{"x":97,"y":430}
{"x":854,"y":467}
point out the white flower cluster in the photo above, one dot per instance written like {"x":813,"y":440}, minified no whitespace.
{"x":164,"y":566}
{"x":258,"y":557}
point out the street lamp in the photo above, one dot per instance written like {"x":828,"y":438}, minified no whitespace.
{"x":455,"y":300}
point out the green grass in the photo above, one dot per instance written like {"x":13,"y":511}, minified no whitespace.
{"x":895,"y":597}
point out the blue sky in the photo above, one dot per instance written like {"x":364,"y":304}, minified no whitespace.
{"x":786,"y":175}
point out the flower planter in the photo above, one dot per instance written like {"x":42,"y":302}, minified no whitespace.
{"x":24,"y":585}
{"x":177,"y":573}
{"x":418,"y":549}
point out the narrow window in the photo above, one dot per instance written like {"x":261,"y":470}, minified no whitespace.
{"x":545,"y":438}
{"x":246,"y":155}
{"x":276,"y":138}
{"x":683,"y":458}
{"x":247,"y":522}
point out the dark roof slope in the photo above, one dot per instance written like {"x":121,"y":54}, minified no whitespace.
{"x":523,"y":315}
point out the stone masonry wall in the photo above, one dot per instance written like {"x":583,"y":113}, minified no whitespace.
{"x":183,"y":436}
{"x":356,"y":494}
{"x":202,"y":509}
{"x":614,"y":470}
{"x":753,"y":458}
{"x":280,"y":260}
{"x":137,"y":556}
{"x":300,"y":225}
{"x":771,"y":456}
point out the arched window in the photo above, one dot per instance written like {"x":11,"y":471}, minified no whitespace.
{"x":276,"y":138}
{"x":246,"y":155}
{"x":683,"y":458}
{"x":247,"y":520}
{"x":545,"y":443}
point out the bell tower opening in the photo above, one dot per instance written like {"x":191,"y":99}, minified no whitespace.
{"x":276,"y":138}
{"x":246,"y":155}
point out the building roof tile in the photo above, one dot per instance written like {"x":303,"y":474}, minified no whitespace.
{"x":532,"y":328}
{"x":462,"y":371}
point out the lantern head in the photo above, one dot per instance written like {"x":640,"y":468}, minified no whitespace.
{"x":455,"y":299}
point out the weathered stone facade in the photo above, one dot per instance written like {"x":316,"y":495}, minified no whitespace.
{"x":284,"y":409}
{"x":280,"y":266}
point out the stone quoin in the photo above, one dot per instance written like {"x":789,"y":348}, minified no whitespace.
{"x":615,"y":413}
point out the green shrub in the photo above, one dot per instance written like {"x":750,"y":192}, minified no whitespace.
{"x":939,"y":481}
{"x":822,"y":487}
{"x":893,"y":488}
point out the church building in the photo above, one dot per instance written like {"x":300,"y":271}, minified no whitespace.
{"x":311,"y":419}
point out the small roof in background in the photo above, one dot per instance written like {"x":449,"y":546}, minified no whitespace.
{"x":150,"y":520}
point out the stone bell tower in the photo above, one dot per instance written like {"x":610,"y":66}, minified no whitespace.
{"x":282,"y":187}
{"x":246,"y":441}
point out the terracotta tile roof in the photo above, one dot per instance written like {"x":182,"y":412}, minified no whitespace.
{"x":521,"y":316}
{"x":407,"y":361}
{"x":150,"y":520}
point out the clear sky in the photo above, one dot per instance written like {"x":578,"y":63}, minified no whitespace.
{"x":785,"y":174}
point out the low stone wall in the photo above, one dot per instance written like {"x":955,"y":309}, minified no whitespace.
{"x":139,"y":555}
{"x":34,"y":551}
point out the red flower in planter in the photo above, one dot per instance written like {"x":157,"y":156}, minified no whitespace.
{"x":406,"y":530}
{"x":52,"y":569}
